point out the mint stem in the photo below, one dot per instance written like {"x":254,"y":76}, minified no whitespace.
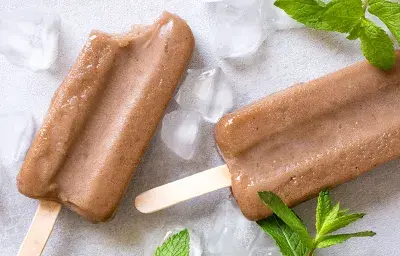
{"x":365,"y":5}
{"x":311,"y":253}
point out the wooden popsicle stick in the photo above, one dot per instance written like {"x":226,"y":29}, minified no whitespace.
{"x":181,"y":190}
{"x":40,"y":229}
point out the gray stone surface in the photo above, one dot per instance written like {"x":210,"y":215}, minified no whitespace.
{"x":286,"y":57}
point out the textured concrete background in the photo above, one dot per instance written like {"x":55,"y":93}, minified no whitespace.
{"x":285,"y":58}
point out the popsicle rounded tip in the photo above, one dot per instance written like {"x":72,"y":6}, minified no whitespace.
{"x":153,"y":200}
{"x":142,"y":204}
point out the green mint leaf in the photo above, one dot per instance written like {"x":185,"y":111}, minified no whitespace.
{"x":308,"y":12}
{"x":287,"y":215}
{"x":355,"y":32}
{"x":176,"y":245}
{"x":329,"y":219}
{"x":337,"y":15}
{"x":388,"y":13}
{"x":342,"y":212}
{"x":330,"y":240}
{"x":343,"y":15}
{"x":376,"y":45}
{"x":341,"y":222}
{"x":286,"y":239}
{"x":324,"y":206}
{"x":348,"y":16}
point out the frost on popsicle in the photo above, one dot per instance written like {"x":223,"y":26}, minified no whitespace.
{"x":29,"y":38}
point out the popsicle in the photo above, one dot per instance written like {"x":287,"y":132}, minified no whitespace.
{"x":100,"y":122}
{"x":103,"y":116}
{"x":299,"y":141}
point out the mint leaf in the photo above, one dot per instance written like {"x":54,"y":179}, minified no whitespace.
{"x":176,"y":245}
{"x":324,"y":206}
{"x":388,"y":13}
{"x":328,"y":220}
{"x":342,"y":212}
{"x":287,"y":215}
{"x":355,"y":32}
{"x":348,"y":16}
{"x":343,"y":15}
{"x":337,"y":15}
{"x":335,"y":218}
{"x":376,"y":45}
{"x":308,"y":12}
{"x":339,"y":222}
{"x":286,"y":239}
{"x":330,"y":240}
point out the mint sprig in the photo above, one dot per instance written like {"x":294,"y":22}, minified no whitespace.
{"x":291,"y":235}
{"x":176,"y":245}
{"x":348,"y":16}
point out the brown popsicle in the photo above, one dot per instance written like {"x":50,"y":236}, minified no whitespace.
{"x":299,"y":141}
{"x":312,"y":136}
{"x":103,"y":116}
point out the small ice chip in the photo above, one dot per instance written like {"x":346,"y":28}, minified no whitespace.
{"x":206,"y":91}
{"x":29,"y":38}
{"x":180,"y":131}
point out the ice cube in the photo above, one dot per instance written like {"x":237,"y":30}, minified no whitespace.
{"x":16,"y":134}
{"x":29,"y":38}
{"x":264,"y":246}
{"x":232,"y":234}
{"x":275,"y":19}
{"x":161,"y":235}
{"x":206,"y":91}
{"x":180,"y":131}
{"x":238,"y":30}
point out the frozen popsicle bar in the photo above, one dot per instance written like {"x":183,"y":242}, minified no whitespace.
{"x":103,"y":116}
{"x":312,"y":136}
